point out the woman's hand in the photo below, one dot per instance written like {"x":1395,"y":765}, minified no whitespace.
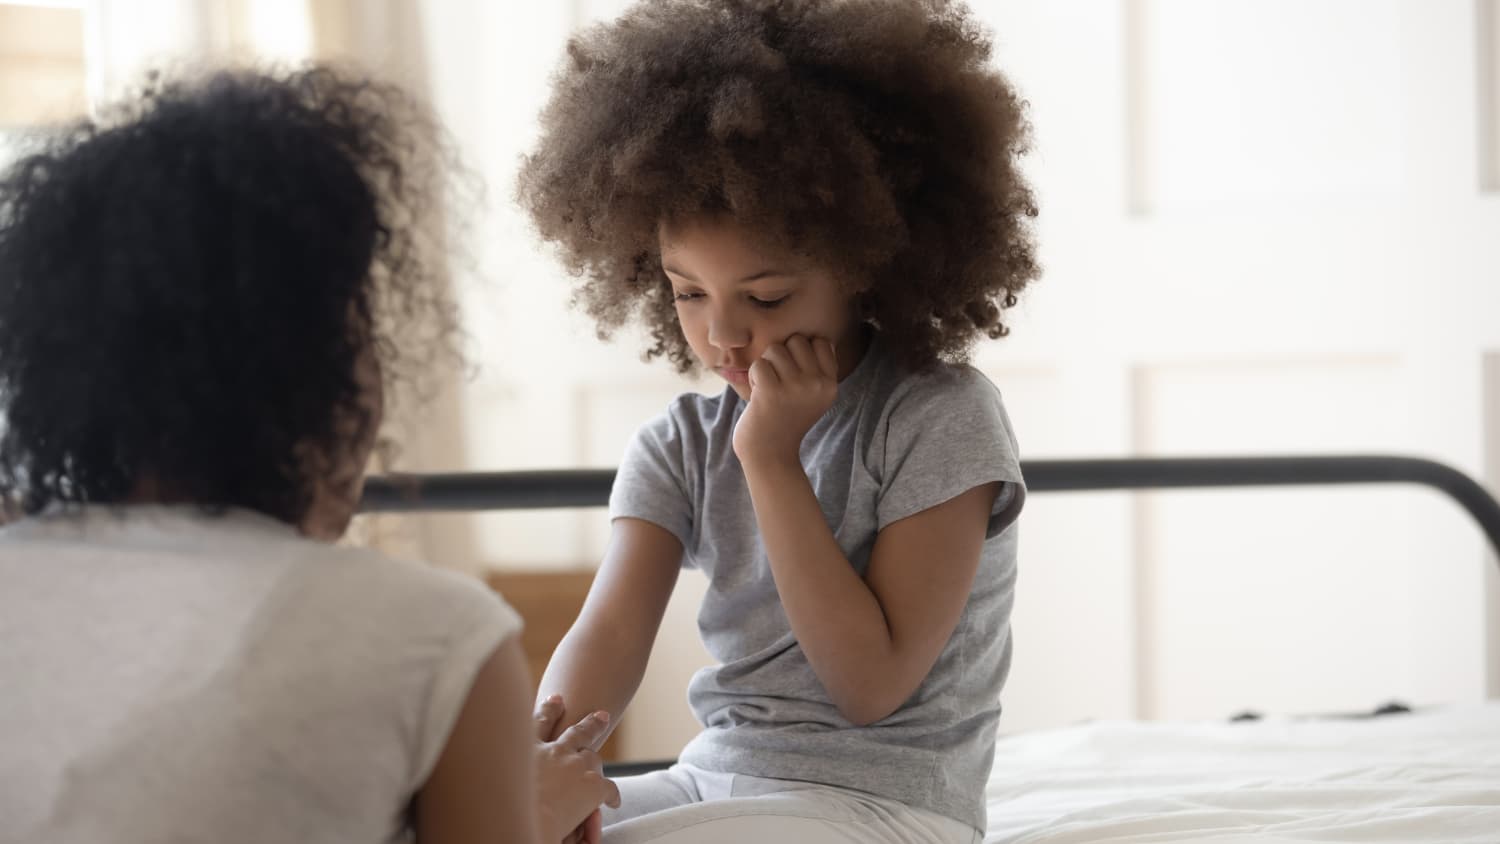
{"x":792,"y":385}
{"x":570,"y":776}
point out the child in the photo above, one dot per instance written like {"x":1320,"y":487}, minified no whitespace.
{"x":197,"y":311}
{"x":819,"y":201}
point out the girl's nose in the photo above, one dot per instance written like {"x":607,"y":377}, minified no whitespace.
{"x":727,"y":332}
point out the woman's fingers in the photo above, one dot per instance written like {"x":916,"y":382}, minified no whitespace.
{"x":611,"y":794}
{"x":587,"y":734}
{"x":547,"y":714}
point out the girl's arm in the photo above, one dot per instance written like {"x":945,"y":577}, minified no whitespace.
{"x":870,"y":640}
{"x":599,"y":663}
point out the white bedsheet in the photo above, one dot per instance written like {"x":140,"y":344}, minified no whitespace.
{"x":1432,"y":776}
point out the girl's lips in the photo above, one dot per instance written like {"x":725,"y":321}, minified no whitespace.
{"x":735,"y":375}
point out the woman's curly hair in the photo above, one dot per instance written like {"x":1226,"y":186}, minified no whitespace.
{"x":190,"y":287}
{"x":871,"y":134}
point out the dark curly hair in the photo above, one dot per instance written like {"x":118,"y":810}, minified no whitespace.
{"x":191,"y":286}
{"x":870,"y":134}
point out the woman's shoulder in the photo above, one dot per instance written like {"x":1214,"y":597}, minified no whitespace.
{"x":420,"y":592}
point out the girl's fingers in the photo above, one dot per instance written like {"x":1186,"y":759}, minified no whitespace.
{"x":801,"y":352}
{"x":828,"y":362}
{"x":777,"y":356}
{"x":763,"y":373}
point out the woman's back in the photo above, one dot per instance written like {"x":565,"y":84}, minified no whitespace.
{"x":172,"y":675}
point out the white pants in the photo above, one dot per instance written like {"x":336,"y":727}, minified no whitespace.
{"x":685,"y":804}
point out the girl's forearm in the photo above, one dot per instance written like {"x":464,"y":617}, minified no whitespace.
{"x":593,"y":669}
{"x":837,"y":619}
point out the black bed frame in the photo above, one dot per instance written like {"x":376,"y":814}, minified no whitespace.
{"x":467,"y":491}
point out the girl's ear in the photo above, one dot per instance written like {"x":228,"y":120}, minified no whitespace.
{"x":856,"y":286}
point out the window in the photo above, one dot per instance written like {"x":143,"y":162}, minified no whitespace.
{"x":41,"y":68}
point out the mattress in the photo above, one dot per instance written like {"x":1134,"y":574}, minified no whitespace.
{"x":1428,"y":776}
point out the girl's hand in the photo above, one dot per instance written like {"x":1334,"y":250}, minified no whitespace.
{"x":792,"y":385}
{"x":570,"y":775}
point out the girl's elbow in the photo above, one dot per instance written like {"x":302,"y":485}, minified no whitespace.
{"x":862,"y":710}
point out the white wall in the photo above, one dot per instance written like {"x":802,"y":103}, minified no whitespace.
{"x":1270,"y":220}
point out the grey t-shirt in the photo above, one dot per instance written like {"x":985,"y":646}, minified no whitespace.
{"x":895,"y":443}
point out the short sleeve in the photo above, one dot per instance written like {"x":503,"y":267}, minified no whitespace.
{"x":652,"y":481}
{"x":480,"y":622}
{"x":945,"y":434}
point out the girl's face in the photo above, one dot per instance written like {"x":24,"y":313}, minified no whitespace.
{"x":737,"y":295}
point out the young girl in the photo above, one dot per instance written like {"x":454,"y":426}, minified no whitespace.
{"x":198,"y":311}
{"x":818,"y":202}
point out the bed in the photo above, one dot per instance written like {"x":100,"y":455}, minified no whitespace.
{"x":1427,"y":776}
{"x":1431,"y":775}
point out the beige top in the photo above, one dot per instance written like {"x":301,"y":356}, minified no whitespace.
{"x":172,"y":676}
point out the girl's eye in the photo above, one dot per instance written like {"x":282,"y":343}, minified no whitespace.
{"x":768,"y":304}
{"x":686,"y":297}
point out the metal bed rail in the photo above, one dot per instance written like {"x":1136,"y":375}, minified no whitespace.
{"x":525,"y":490}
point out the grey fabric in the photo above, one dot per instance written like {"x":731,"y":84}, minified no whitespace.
{"x":895,"y":443}
{"x":170,"y":676}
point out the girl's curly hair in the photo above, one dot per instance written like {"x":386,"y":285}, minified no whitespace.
{"x":871,"y":134}
{"x":190,"y":286}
